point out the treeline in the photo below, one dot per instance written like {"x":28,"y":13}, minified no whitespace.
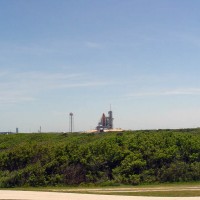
{"x":134,"y":157}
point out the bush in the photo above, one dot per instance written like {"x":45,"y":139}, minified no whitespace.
{"x":103,"y":159}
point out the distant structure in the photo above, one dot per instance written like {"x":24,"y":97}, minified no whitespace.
{"x":6,"y":133}
{"x":71,"y":122}
{"x":17,"y":130}
{"x":105,"y":123}
{"x":40,"y":130}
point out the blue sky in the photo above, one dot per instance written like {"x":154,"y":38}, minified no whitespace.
{"x":64,"y":56}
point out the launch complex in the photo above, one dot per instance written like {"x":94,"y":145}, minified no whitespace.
{"x":106,"y":123}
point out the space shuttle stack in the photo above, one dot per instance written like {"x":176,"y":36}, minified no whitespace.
{"x":106,"y":123}
{"x":103,"y":120}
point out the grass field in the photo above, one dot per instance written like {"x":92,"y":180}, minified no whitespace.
{"x":161,"y":190}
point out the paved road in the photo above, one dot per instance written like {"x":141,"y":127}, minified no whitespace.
{"x":30,"y":195}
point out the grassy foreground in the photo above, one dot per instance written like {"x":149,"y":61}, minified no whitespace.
{"x":160,"y":190}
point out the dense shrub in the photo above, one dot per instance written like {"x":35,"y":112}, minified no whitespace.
{"x":133,"y":157}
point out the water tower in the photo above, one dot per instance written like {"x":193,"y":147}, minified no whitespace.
{"x":71,"y":122}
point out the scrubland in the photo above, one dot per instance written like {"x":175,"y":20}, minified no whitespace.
{"x":103,"y":159}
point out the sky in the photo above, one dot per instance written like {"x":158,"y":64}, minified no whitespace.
{"x":141,"y":57}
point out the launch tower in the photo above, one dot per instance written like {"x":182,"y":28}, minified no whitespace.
{"x":105,"y":122}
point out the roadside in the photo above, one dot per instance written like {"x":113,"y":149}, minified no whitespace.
{"x":33,"y":195}
{"x":161,"y":190}
{"x":176,"y":191}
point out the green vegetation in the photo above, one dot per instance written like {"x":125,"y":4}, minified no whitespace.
{"x":105,"y":159}
{"x":158,"y":193}
{"x":184,"y":189}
